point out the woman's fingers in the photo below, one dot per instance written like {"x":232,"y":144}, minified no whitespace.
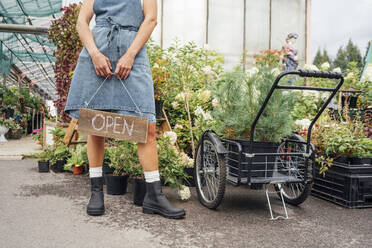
{"x":126,"y":73}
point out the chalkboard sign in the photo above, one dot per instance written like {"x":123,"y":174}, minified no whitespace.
{"x":107,"y":124}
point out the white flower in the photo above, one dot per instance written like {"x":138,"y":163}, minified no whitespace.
{"x":324,"y":96}
{"x":175,"y":105}
{"x":311,"y":93}
{"x":310,"y":67}
{"x":207,"y":116}
{"x":207,"y":47}
{"x":304,"y":123}
{"x":349,"y":75}
{"x":188,"y":162}
{"x":178,"y":126}
{"x":172,"y":136}
{"x":325,"y":66}
{"x":252,"y":71}
{"x":275,"y":71}
{"x":286,"y":92}
{"x":215,"y":102}
{"x":207,"y":70}
{"x":180,"y":96}
{"x":199,"y":111}
{"x":184,"y":193}
{"x":205,"y":95}
{"x":337,"y":69}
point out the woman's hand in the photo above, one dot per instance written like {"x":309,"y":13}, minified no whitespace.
{"x":124,"y":66}
{"x":101,"y":64}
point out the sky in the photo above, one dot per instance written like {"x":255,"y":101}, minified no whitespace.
{"x":334,"y":22}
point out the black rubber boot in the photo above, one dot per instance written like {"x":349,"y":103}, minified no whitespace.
{"x":155,"y":202}
{"x":96,"y":205}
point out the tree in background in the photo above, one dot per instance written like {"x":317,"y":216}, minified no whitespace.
{"x":341,"y":59}
{"x":353,"y":54}
{"x":321,"y":58}
{"x":350,"y":54}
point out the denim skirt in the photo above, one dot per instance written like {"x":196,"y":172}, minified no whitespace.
{"x":87,"y":89}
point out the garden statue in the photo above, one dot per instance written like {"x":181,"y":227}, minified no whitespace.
{"x":290,"y":59}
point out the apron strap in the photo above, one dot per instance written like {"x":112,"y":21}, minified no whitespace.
{"x":126,"y":89}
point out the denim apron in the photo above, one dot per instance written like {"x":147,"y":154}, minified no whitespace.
{"x":117,"y":23}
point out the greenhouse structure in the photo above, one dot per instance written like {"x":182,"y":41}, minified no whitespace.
{"x":185,"y":123}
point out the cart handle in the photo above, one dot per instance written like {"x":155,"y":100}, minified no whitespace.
{"x":301,"y":73}
{"x":320,"y":74}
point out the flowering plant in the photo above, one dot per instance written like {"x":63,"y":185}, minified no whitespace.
{"x":182,"y":77}
{"x":171,"y":164}
{"x":268,"y":57}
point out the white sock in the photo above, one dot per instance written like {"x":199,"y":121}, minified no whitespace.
{"x":152,"y":176}
{"x":95,"y":172}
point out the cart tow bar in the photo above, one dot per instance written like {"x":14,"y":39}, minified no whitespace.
{"x":268,"y":201}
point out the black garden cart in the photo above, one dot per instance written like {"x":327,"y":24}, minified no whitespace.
{"x":257,"y":165}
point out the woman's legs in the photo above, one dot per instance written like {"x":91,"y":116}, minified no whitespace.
{"x":155,"y":201}
{"x":148,"y":153}
{"x":96,"y":150}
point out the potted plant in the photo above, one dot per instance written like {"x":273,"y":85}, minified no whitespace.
{"x":76,"y":161}
{"x":240,"y":95}
{"x":119,"y":157}
{"x":4,"y":128}
{"x":362,"y":152}
{"x":43,"y":160}
{"x":59,"y":158}
{"x":171,"y":167}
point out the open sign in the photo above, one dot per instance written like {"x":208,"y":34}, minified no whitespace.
{"x":107,"y":124}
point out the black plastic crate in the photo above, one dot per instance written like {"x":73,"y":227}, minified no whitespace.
{"x":347,"y":185}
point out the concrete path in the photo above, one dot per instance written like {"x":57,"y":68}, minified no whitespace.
{"x":48,"y":210}
{"x":15,"y":149}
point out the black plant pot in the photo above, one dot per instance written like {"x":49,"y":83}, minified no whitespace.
{"x":159,"y":108}
{"x":43,"y":166}
{"x":361,"y":161}
{"x":9,"y":113}
{"x":107,"y":169}
{"x":190,"y":182}
{"x":341,"y":160}
{"x":139,"y":191}
{"x":116,"y":185}
{"x":58,"y":167}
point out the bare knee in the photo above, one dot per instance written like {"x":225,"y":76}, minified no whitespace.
{"x":151,"y":133}
{"x":96,"y":139}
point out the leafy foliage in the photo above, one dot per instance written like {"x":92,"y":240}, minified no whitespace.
{"x":123,"y":157}
{"x":62,"y":152}
{"x":182,"y":78}
{"x":63,"y":34}
{"x":321,"y":58}
{"x":76,"y":159}
{"x":240,"y":97}
{"x":171,"y":166}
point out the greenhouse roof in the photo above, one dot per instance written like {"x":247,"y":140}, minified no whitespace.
{"x":28,"y":57}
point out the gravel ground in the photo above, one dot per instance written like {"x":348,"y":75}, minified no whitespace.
{"x":48,"y":210}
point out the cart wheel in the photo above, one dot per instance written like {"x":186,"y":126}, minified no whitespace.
{"x":293,"y":193}
{"x":211,"y":176}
